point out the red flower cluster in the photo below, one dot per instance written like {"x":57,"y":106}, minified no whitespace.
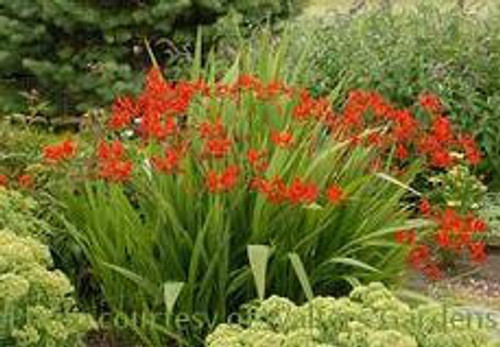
{"x":217,"y":143}
{"x":298,"y":192}
{"x":310,"y":108}
{"x":405,"y":132}
{"x":25,"y":181}
{"x":425,"y":207}
{"x":470,"y":148}
{"x":54,"y":154}
{"x":430,"y":103}
{"x":222,"y":182}
{"x":456,"y":234}
{"x":124,"y":111}
{"x":406,"y":236}
{"x":159,"y":117}
{"x":257,"y":159}
{"x":335,"y":194}
{"x":112,"y":164}
{"x":169,"y":163}
{"x":275,"y":189}
{"x":302,"y":192}
{"x":4,"y":181}
{"x":282,"y":139}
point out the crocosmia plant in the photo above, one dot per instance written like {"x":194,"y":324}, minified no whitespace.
{"x":189,"y":174}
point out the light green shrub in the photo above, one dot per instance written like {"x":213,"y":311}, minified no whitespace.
{"x":371,"y":316}
{"x":35,"y":302}
{"x":19,"y":214}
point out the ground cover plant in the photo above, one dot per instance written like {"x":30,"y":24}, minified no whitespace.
{"x":36,"y":302}
{"x":369,"y":316}
{"x":201,"y":194}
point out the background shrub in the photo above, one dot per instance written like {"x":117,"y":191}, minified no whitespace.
{"x":79,"y":53}
{"x":428,"y":48}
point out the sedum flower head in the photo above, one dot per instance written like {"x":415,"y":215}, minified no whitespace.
{"x":37,"y":300}
{"x":372,"y":316}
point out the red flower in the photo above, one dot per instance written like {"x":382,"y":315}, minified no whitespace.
{"x":379,"y":105}
{"x":418,"y":255}
{"x":401,"y":152}
{"x":443,"y":238}
{"x":406,"y":236}
{"x":450,"y":220}
{"x":113,"y":151}
{"x":116,"y":171}
{"x":229,"y":177}
{"x":275,"y":189}
{"x":441,"y":159}
{"x":248,"y":82}
{"x":212,"y":130}
{"x":478,"y":225}
{"x":4,"y":181}
{"x":212,"y":181}
{"x":282,"y":139}
{"x":112,"y":166}
{"x":425,"y":207}
{"x":25,"y":181}
{"x":478,"y":252}
{"x":309,"y":108}
{"x":301,"y":192}
{"x":169,"y":163}
{"x":217,"y":147}
{"x":430,"y":102}
{"x":223,"y":182}
{"x":400,"y":236}
{"x":124,"y":110}
{"x":432,"y":271}
{"x":441,"y":129}
{"x":471,"y":150}
{"x":406,"y":126}
{"x":375,"y":139}
{"x":257,"y":159}
{"x":56,"y":153}
{"x":335,"y":194}
{"x":428,"y":144}
{"x":354,"y":141}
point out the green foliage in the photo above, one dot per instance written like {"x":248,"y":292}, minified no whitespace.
{"x":82,"y":53}
{"x":163,"y":229}
{"x":20,"y":147}
{"x":405,"y":52}
{"x":19,"y":214}
{"x":35,"y":302}
{"x":491,"y":213}
{"x":370,"y":317}
{"x":457,"y":188}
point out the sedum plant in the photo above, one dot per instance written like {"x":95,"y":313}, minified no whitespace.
{"x":36,"y":303}
{"x":19,"y":214}
{"x":371,"y":316}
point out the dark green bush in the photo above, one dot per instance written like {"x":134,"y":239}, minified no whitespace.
{"x":401,"y":54}
{"x":79,"y":53}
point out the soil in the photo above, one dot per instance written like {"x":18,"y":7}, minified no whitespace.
{"x":479,"y":286}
